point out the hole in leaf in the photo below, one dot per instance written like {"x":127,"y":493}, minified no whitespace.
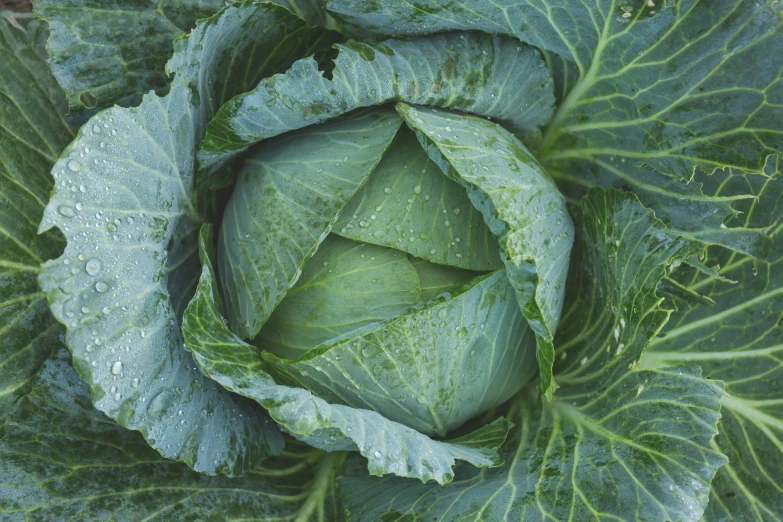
{"x":88,"y":100}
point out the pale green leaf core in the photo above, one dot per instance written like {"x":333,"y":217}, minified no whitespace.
{"x":344,"y":287}
{"x":432,"y":368}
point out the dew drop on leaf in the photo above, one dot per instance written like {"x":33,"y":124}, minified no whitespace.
{"x":93,"y":267}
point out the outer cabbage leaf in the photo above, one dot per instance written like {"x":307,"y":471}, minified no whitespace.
{"x":520,"y":204}
{"x":105,"y":52}
{"x":663,"y":87}
{"x":739,"y":340}
{"x":408,"y":204}
{"x":61,"y":459}
{"x":389,"y":447}
{"x":615,"y":443}
{"x":124,"y":200}
{"x":283,"y":206}
{"x":470,"y":72}
{"x":33,"y":132}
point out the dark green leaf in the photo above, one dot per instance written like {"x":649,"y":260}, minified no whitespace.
{"x":104,"y":52}
{"x":33,"y":132}
{"x":740,"y":341}
{"x":62,"y":460}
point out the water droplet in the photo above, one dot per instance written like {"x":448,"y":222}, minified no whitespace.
{"x":93,"y":267}
{"x":116,"y":368}
{"x":421,"y":399}
{"x":417,"y":189}
{"x":117,"y":396}
{"x":432,"y":252}
{"x":67,"y":211}
{"x":456,"y":211}
{"x":135,"y":382}
{"x":96,"y":129}
{"x":387,"y":190}
{"x":378,"y":454}
{"x":101,"y":287}
{"x":367,"y":352}
{"x":74,"y":165}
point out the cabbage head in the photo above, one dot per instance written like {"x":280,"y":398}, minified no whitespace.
{"x":361,"y":260}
